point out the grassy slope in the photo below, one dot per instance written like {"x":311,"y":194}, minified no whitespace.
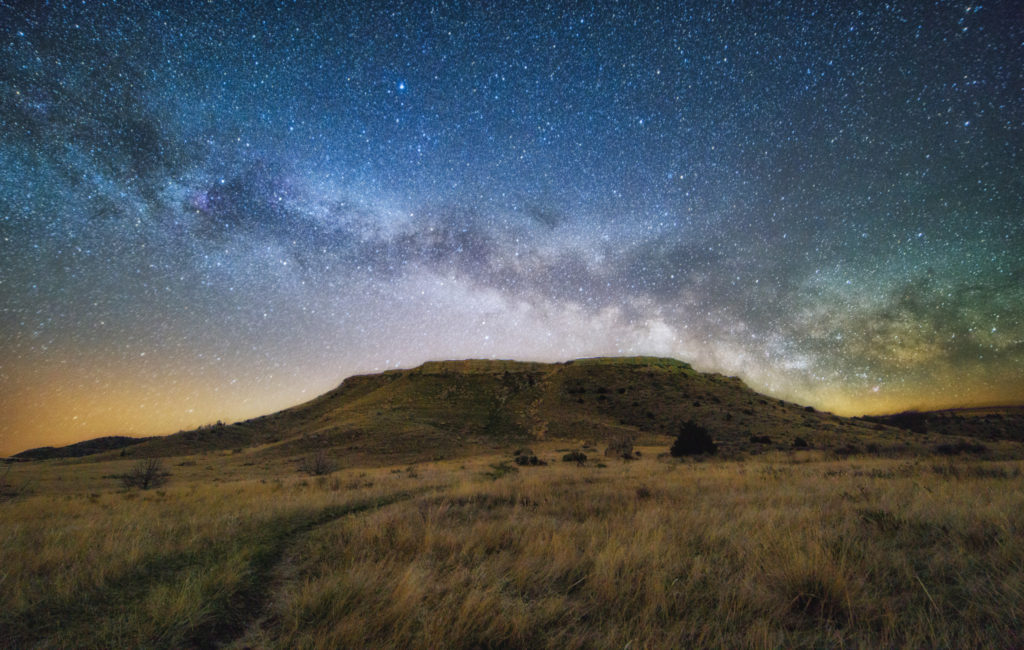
{"x":445,"y":409}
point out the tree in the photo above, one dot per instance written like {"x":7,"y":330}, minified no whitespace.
{"x":693,"y":439}
{"x":577,"y":457}
{"x":319,"y":464}
{"x":145,"y":474}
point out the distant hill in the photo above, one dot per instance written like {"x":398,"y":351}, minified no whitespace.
{"x":983,"y":423}
{"x":447,"y":408}
{"x":84,"y":448}
{"x":444,"y":409}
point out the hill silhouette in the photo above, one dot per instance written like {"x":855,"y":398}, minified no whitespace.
{"x":79,"y":449}
{"x":984,"y":423}
{"x":443,"y":409}
{"x":446,"y":408}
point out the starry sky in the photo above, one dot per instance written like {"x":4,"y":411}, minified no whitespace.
{"x":217,"y":210}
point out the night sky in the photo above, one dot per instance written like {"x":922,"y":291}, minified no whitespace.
{"x":214,"y":210}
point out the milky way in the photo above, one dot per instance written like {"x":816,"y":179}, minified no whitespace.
{"x":212,"y":210}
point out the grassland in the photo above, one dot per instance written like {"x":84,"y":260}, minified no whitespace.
{"x":786,"y":549}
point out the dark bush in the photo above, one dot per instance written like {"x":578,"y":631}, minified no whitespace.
{"x":500,"y":469}
{"x":910,"y":420}
{"x":319,"y":464}
{"x":145,"y":474}
{"x":961,"y":447}
{"x":577,"y":457}
{"x":761,"y":440}
{"x":848,"y":449}
{"x":621,"y":447}
{"x":524,"y":459}
{"x":800,"y":443}
{"x":693,"y":439}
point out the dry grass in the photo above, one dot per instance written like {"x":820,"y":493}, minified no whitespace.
{"x":781,"y":551}
{"x":163,"y":568}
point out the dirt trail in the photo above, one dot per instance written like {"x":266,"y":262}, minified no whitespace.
{"x":232,"y":624}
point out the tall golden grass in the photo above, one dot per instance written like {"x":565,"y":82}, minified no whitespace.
{"x":862,"y":552}
{"x":159,"y":568}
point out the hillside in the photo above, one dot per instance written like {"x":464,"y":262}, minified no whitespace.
{"x":983,"y":423}
{"x":79,"y":449}
{"x":447,"y":408}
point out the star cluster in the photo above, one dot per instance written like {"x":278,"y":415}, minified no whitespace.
{"x":214,"y":210}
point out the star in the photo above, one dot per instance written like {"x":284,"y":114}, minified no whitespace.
{"x":217,"y":212}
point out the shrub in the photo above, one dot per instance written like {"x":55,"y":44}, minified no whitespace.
{"x":846,"y":450}
{"x":910,"y":420}
{"x":524,"y":459}
{"x":577,"y":457}
{"x":145,"y":474}
{"x":621,"y":447}
{"x":693,"y":439}
{"x":961,"y":447}
{"x":500,"y":469}
{"x":800,"y":443}
{"x":761,"y":440}
{"x":319,"y":464}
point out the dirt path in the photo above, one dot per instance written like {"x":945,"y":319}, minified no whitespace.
{"x":239,"y":617}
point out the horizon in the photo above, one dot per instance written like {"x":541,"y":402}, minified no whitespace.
{"x":4,"y":453}
{"x":210,"y":212}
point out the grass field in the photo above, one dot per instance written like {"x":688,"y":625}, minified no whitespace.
{"x":781,"y":550}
